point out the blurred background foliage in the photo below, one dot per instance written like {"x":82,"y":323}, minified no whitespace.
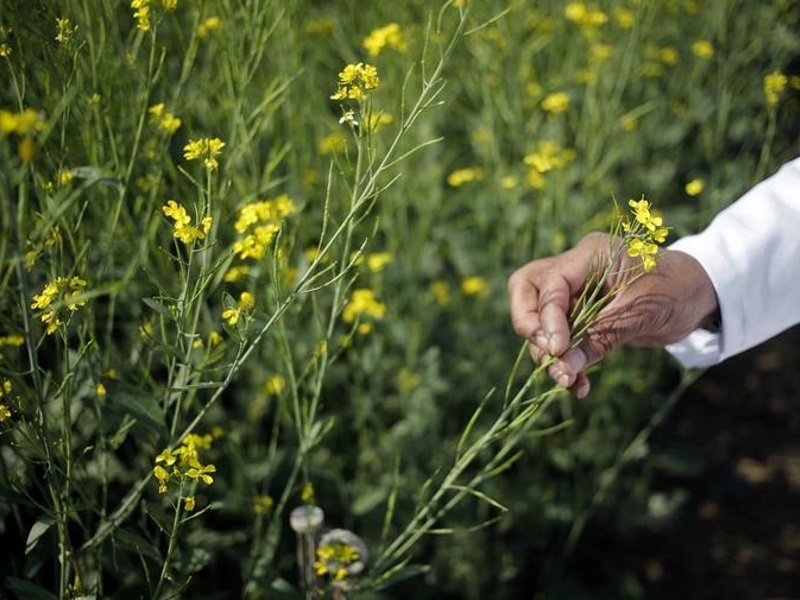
{"x":549,"y":111}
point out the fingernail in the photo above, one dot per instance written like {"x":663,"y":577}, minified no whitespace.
{"x":575,"y":359}
{"x":582,"y":389}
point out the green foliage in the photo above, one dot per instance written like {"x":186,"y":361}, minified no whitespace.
{"x":319,"y":316}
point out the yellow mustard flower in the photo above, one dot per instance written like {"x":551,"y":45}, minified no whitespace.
{"x":378,"y":261}
{"x":65,"y":30}
{"x":356,"y":81}
{"x":5,"y":50}
{"x":26,"y":122}
{"x":162,"y":475}
{"x":669,"y":55}
{"x":263,"y":504}
{"x":694,"y":187}
{"x":188,"y":503}
{"x":703,"y":49}
{"x":205,"y":149}
{"x":548,"y":156}
{"x":645,"y":250}
{"x":164,"y":120}
{"x":236,"y":273}
{"x":586,"y":17}
{"x":58,"y":294}
{"x":258,"y":223}
{"x":644,"y":233}
{"x":182,"y":227}
{"x":376,"y":121}
{"x":307,"y":494}
{"x":274,"y":386}
{"x":340,"y":554}
{"x":474,"y":286}
{"x":246,"y":303}
{"x":13,"y":339}
{"x":5,"y":413}
{"x":207,"y":26}
{"x":141,"y":12}
{"x":774,"y":83}
{"x":641,"y":211}
{"x":362,"y":302}
{"x":382,"y":37}
{"x":202,"y":473}
{"x":333,"y":558}
{"x":466,"y":175}
{"x":333,"y":143}
{"x":555,"y":103}
{"x":625,"y":18}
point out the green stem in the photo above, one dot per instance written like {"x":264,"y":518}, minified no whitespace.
{"x":173,"y":536}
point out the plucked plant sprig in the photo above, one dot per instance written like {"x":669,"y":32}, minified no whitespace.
{"x":636,"y":234}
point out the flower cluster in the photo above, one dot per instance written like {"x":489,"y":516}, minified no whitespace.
{"x":466,"y":175}
{"x":587,"y":18}
{"x":246,"y":303}
{"x":182,"y":466}
{"x":207,"y":26}
{"x":644,"y":233}
{"x":205,"y":149}
{"x":548,"y":156}
{"x":474,"y":285}
{"x":13,"y":341}
{"x":5,"y":392}
{"x":258,"y":223}
{"x":60,"y":293}
{"x":556,"y":103}
{"x":263,"y":504}
{"x":774,"y":83}
{"x":23,"y":123}
{"x":182,"y":227}
{"x":355,"y":81}
{"x":340,"y":554}
{"x":382,"y":37}
{"x":375,"y":261}
{"x":65,"y":30}
{"x":142,"y":13}
{"x":363,"y":303}
{"x":164,"y":120}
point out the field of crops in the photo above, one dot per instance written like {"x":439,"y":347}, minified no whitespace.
{"x":254,"y":332}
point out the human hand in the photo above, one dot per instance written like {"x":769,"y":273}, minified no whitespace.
{"x":660,"y":307}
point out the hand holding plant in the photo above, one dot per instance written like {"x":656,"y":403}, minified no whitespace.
{"x":609,"y":290}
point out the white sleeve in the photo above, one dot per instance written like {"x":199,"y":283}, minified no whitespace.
{"x":751,"y":252}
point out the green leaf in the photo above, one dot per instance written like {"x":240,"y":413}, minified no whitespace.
{"x":144,"y":409}
{"x":158,"y":306}
{"x":37,"y":531}
{"x":25,"y":590}
{"x":397,"y":575}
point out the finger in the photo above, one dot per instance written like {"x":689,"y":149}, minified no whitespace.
{"x":523,"y":296}
{"x":581,"y":388}
{"x":560,"y":284}
{"x":567,"y":370}
{"x":537,"y":350}
{"x":554,"y":306}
